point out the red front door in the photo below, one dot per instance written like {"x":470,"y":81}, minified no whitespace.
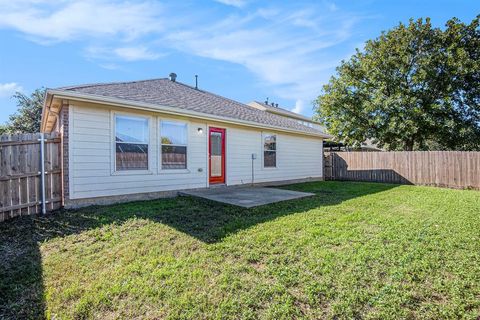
{"x":216,"y":155}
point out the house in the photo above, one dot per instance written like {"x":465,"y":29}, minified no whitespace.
{"x":368,"y":146}
{"x":275,"y":109}
{"x":144,"y":139}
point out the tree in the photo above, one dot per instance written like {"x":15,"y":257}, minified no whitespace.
{"x":414,"y":87}
{"x":27,"y":118}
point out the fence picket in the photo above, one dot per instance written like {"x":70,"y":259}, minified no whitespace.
{"x":20,"y":192}
{"x":454,"y":169}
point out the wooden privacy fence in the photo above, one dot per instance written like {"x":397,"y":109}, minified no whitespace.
{"x":453,"y":169}
{"x":20,"y":174}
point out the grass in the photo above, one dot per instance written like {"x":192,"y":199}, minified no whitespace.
{"x":354,"y":250}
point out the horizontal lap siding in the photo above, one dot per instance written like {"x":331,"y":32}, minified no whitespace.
{"x":91,"y":158}
{"x":91,"y":151}
{"x":298,"y":157}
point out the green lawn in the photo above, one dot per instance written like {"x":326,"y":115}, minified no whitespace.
{"x":355,"y":250}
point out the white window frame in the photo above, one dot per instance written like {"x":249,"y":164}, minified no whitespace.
{"x":113,"y":122}
{"x":159,"y":136}
{"x":264,"y":134}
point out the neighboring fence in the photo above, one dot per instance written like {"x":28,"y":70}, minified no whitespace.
{"x":453,"y":169}
{"x":20,"y":174}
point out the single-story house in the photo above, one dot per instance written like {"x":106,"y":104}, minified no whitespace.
{"x":144,"y":139}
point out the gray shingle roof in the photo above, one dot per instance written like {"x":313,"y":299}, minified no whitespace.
{"x":164,"y":92}
{"x":284,"y":111}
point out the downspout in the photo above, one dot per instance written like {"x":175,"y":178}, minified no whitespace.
{"x":42,"y":172}
{"x":253,"y":176}
{"x":254,"y":156}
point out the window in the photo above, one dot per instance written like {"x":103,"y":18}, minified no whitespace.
{"x":174,"y":145}
{"x":131,"y":143}
{"x":270,"y":151}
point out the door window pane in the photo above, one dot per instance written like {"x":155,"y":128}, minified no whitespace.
{"x":216,"y":143}
{"x":216,"y":154}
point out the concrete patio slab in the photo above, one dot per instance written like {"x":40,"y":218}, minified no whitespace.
{"x":246,"y":197}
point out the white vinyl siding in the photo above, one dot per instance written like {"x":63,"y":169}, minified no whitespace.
{"x":298,"y":157}
{"x":92,"y":171}
{"x":91,"y":160}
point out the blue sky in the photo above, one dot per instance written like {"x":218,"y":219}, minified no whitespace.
{"x":242,"y":49}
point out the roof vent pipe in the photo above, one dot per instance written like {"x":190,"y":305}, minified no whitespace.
{"x":273,"y":104}
{"x":173,"y":76}
{"x":276,"y":105}
{"x":196,"y":81}
{"x":266,"y":101}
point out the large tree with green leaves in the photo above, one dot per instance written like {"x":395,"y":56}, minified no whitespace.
{"x":414,"y":87}
{"x":28,"y":116}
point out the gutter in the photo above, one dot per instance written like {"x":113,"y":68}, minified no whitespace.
{"x":169,"y":110}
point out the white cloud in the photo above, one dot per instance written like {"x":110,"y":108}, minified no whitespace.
{"x":284,"y":46}
{"x":110,"y":66}
{"x":68,"y":20}
{"x":135,"y":53}
{"x":9,"y":89}
{"x":283,"y":49}
{"x":234,"y":3}
{"x":299,"y":106}
{"x":130,"y":53}
{"x":331,"y":6}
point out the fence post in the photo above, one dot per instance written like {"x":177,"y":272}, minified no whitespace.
{"x":42,"y":173}
{"x":333,"y":166}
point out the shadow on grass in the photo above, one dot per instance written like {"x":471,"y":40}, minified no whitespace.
{"x":21,"y":285}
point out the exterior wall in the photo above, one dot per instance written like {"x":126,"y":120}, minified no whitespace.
{"x":91,"y":163}
{"x":92,"y":168}
{"x":297,"y":157}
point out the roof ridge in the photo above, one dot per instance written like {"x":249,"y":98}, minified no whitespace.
{"x":88,"y":85}
{"x":156,"y":79}
{"x":219,"y":96}
{"x":240,"y":103}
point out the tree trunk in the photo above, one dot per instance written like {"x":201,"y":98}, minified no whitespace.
{"x":409,"y":144}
